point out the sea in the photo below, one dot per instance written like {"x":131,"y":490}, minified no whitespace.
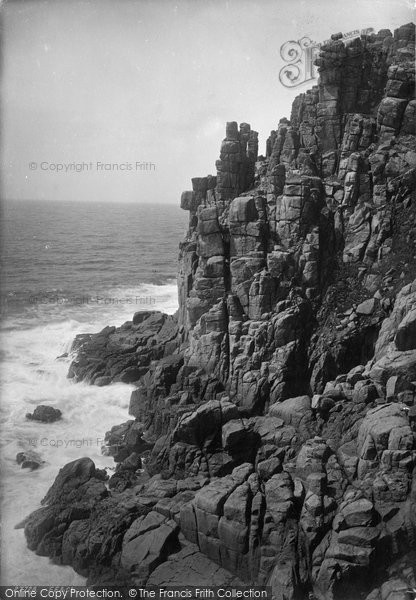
{"x":68,"y":268}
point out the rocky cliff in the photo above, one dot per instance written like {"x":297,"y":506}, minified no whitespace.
{"x":276,"y":412}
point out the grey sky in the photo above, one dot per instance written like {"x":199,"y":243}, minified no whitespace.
{"x":155,"y":81}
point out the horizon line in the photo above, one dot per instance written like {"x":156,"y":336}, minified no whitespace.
{"x":99,"y":201}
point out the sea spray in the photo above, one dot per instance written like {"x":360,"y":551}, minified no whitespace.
{"x":32,"y":375}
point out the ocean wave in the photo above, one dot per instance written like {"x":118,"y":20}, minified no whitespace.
{"x":99,"y":307}
{"x":30,"y":374}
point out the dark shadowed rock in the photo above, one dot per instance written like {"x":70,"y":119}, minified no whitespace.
{"x":71,"y":477}
{"x":405,"y":338}
{"x":190,"y":567}
{"x":45,"y":414}
{"x":148,"y":543}
{"x":29,"y":460}
{"x":124,"y":353}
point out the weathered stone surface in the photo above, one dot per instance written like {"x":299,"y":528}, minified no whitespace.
{"x":208,"y":418}
{"x":405,"y":338}
{"x":124,"y":354}
{"x":367,"y":307}
{"x":384,"y":430}
{"x":274,"y":419}
{"x":29,"y":460}
{"x":45,"y":414}
{"x":405,"y":303}
{"x":191,"y":568}
{"x":147,"y":544}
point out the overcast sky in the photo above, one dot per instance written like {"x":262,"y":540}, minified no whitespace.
{"x":126,"y":81}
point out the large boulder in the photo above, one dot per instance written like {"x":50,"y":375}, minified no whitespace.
{"x":190,"y":567}
{"x":29,"y":460}
{"x":405,"y":338}
{"x":207,"y":419}
{"x":385,"y":438}
{"x":404,"y":304}
{"x":147,"y":543}
{"x":45,"y":414}
{"x":72,"y":476}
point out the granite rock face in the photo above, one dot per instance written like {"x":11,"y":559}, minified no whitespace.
{"x":123,"y":353}
{"x":274,"y":431}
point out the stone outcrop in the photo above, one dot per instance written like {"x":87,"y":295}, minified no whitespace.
{"x":45,"y":414}
{"x":29,"y":460}
{"x":123,"y":353}
{"x":274,"y":431}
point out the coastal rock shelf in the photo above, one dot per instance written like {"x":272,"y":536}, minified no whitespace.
{"x":273,"y":438}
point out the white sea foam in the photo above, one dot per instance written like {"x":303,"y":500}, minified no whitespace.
{"x":31,"y":375}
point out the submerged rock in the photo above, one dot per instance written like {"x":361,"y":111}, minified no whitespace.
{"x":29,"y":460}
{"x":45,"y":414}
